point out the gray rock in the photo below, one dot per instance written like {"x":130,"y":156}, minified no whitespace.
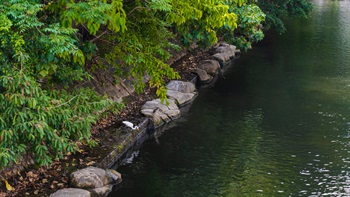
{"x":222,"y":57}
{"x":115,"y":177}
{"x":223,"y":44}
{"x":237,"y":51}
{"x":101,"y":191}
{"x":89,"y":178}
{"x":157,"y":104}
{"x":71,"y":192}
{"x":225,"y":52}
{"x":233,"y":48}
{"x":202,"y":75}
{"x":180,"y":97}
{"x":210,"y":66}
{"x":181,"y":86}
{"x":158,"y":117}
{"x":226,"y":48}
{"x":173,"y":114}
{"x":159,"y":112}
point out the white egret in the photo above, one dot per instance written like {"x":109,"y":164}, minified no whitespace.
{"x":131,"y":125}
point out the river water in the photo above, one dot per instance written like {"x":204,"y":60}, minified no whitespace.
{"x":277,"y":124}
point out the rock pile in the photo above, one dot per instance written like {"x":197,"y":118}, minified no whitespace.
{"x":180,"y":93}
{"x":160,"y":112}
{"x":207,"y":69}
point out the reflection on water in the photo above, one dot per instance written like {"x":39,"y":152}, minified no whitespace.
{"x":276,"y":125}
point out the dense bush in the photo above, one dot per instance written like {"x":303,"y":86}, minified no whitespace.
{"x":38,"y":57}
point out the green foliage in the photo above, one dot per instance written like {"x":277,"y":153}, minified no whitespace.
{"x":276,"y":10}
{"x":49,"y":50}
{"x":92,"y":14}
{"x":46,"y":124}
{"x":197,"y":21}
{"x":143,"y":49}
{"x":36,"y":119}
{"x":249,"y":21}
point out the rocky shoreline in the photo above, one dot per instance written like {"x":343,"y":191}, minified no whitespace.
{"x":157,"y":113}
{"x":117,"y":146}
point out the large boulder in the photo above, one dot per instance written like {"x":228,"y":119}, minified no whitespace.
{"x":98,"y":181}
{"x":223,"y":48}
{"x":210,"y":66}
{"x":181,"y":86}
{"x":71,"y":192}
{"x":160,"y":112}
{"x":115,"y":177}
{"x":90,"y":178}
{"x":180,"y":97}
{"x":225,"y":52}
{"x":101,"y":191}
{"x":181,"y":91}
{"x":203,"y":76}
{"x":222,"y":57}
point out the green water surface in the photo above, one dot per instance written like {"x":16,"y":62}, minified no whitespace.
{"x":277,"y":124}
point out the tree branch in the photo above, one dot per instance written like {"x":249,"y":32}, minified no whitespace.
{"x":97,"y":37}
{"x":137,"y":8}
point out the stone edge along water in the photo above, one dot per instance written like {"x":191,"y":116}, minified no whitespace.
{"x":97,"y":182}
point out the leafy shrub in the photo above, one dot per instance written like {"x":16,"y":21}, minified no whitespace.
{"x":36,"y":58}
